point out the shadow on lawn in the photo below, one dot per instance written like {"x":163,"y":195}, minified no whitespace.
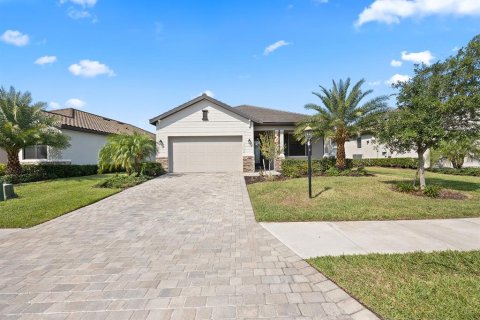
{"x":320,"y":193}
{"x":447,"y":184}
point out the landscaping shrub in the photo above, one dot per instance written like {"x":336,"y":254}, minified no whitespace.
{"x":123,"y":181}
{"x":405,"y":187}
{"x":410,"y":163}
{"x":152,"y":169}
{"x":295,"y":168}
{"x":31,"y":173}
{"x":3,"y":168}
{"x":432,"y":191}
{"x":475,"y":172}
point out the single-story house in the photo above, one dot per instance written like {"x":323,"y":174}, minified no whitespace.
{"x":88,"y":134}
{"x":207,"y":135}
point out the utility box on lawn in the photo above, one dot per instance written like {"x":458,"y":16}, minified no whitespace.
{"x":7,"y":192}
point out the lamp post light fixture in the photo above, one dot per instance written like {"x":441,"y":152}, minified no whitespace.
{"x":308,"y":135}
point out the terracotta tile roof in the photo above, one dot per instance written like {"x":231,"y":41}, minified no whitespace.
{"x":74,"y":119}
{"x":267,"y":115}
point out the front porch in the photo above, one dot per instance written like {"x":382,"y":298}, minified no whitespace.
{"x":292,"y":148}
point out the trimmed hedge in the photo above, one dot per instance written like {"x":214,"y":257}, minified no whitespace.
{"x":295,"y":168}
{"x":410,"y":163}
{"x":32,"y":173}
{"x":474,"y":172}
{"x":41,"y":172}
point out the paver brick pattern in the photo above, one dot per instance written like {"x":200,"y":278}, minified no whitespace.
{"x":177,"y":247}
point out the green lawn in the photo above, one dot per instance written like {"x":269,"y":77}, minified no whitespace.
{"x":443,"y":285}
{"x":362,"y":198}
{"x":42,"y":201}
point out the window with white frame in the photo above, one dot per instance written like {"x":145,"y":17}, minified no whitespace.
{"x":36,"y":152}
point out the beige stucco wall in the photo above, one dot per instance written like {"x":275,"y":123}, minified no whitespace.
{"x":188,"y":122}
{"x":84,"y":148}
{"x":371,"y":149}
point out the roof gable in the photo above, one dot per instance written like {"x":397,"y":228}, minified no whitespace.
{"x":196,"y":100}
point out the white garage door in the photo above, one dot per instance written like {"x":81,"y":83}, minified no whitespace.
{"x":206,"y":154}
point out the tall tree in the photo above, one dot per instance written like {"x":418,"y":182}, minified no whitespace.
{"x":342,"y":115}
{"x":438,"y":104}
{"x":24,"y":124}
{"x":126,"y":151}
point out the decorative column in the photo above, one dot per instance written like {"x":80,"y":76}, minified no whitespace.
{"x":280,"y":135}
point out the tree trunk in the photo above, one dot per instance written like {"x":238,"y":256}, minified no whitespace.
{"x":457,"y":162}
{"x":421,"y":169}
{"x":13,"y":164}
{"x":341,"y":162}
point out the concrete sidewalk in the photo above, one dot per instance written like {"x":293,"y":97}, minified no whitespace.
{"x":311,"y":239}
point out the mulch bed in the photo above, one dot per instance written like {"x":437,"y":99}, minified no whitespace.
{"x":257,"y":179}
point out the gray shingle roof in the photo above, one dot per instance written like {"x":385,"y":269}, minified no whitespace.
{"x":74,"y":119}
{"x":256,"y":114}
{"x":267,"y":115}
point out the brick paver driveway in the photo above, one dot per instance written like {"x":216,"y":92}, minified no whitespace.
{"x":177,"y":247}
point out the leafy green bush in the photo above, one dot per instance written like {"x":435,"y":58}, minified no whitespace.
{"x":123,"y":181}
{"x":405,"y":187}
{"x":295,"y":168}
{"x":152,"y":169}
{"x":3,"y":168}
{"x":31,"y":173}
{"x":475,"y":172}
{"x":410,"y":163}
{"x":432,"y":191}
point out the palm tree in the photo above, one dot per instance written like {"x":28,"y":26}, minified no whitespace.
{"x":24,"y":124}
{"x":126,"y":151}
{"x":342,"y":115}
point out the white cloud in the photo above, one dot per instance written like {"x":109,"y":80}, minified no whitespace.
{"x":275,"y":46}
{"x":15,"y":37}
{"x":54,"y":105}
{"x":78,"y":14}
{"x":75,"y":103}
{"x":90,"y":69}
{"x":374,"y":83}
{"x":418,"y":57}
{"x":46,"y":60}
{"x":392,"y":11}
{"x":397,"y":78}
{"x":396,"y":63}
{"x":84,"y":3}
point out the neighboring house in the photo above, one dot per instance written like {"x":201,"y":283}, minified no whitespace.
{"x":366,"y":146}
{"x":88,"y":134}
{"x":207,"y":135}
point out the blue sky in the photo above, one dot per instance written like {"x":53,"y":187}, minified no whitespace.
{"x":132,"y":60}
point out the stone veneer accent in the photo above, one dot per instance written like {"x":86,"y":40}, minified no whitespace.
{"x":248,"y":164}
{"x":278,"y":163}
{"x":164,"y":162}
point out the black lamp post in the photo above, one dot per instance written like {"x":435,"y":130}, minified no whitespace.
{"x":308,"y":135}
